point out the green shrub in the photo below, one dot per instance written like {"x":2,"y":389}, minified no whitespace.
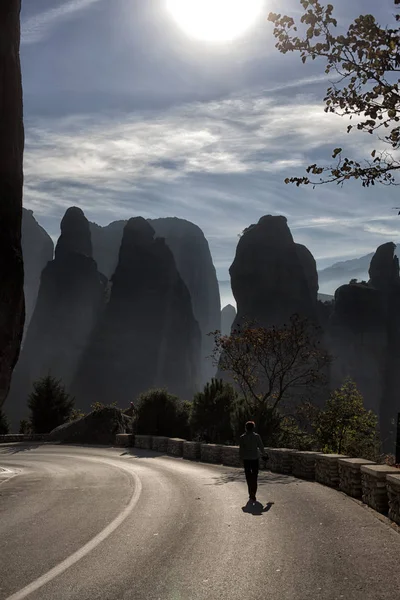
{"x":50,"y":404}
{"x":100,"y":406}
{"x":212,"y":411}
{"x":4,"y":424}
{"x":76,"y":414}
{"x":161,"y":413}
{"x":344,"y":426}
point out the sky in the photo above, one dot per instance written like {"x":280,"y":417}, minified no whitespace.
{"x":127,"y":114}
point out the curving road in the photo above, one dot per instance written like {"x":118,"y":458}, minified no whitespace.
{"x":85,"y":523}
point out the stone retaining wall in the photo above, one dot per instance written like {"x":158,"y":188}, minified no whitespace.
{"x":374,"y":490}
{"x":143,"y":441}
{"x":303,"y":464}
{"x":393,"y":489}
{"x":125,"y":439}
{"x":280,"y":460}
{"x":230,"y":456}
{"x":191,"y":450}
{"x":377,"y":485}
{"x":175,"y":446}
{"x":327,"y":469}
{"x":350,"y":475}
{"x":211,"y":453}
{"x":23,"y":437}
{"x":159,"y":443}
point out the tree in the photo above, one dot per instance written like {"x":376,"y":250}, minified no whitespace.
{"x":25,"y":427}
{"x":367,"y":61}
{"x":344,"y":426}
{"x":50,"y":405}
{"x":4,"y":424}
{"x":11,"y":179}
{"x":211,"y":414}
{"x":160,"y":413}
{"x":272,"y":366}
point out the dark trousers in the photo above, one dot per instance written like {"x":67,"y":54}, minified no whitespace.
{"x":251,"y":471}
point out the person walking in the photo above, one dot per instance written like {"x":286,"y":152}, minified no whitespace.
{"x":250,"y":449}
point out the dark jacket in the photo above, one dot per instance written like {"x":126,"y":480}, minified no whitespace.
{"x":250,"y":446}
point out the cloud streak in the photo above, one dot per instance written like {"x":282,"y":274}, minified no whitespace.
{"x":40,"y":26}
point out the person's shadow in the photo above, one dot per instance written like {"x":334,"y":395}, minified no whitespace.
{"x":256,"y":508}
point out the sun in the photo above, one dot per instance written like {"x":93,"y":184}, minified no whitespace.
{"x":215,"y":20}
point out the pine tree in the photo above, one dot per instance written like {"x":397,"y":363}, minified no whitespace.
{"x":50,"y":404}
{"x":4,"y":424}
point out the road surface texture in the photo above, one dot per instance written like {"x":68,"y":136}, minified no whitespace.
{"x":96,"y":523}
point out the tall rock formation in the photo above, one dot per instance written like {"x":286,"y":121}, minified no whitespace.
{"x":364,"y":334}
{"x":68,"y":306}
{"x":148,"y":336}
{"x":228,"y":315}
{"x":194,"y":262}
{"x":11,"y":179}
{"x":37,"y":250}
{"x":272,"y":277}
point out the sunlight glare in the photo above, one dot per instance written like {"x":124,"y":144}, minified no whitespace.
{"x":215,"y":20}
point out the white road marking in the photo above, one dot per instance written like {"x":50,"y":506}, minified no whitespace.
{"x":89,"y":546}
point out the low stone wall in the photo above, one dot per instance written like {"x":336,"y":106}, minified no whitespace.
{"x":125,"y":439}
{"x":327,"y":469}
{"x":159,"y":443}
{"x":350,"y":475}
{"x":175,"y":446}
{"x":211,"y":453}
{"x":22,"y":437}
{"x":393,"y":490}
{"x":191,"y":450}
{"x":374,"y":490}
{"x":280,"y":460}
{"x":143,"y":441}
{"x":230,"y":456}
{"x":303,"y":464}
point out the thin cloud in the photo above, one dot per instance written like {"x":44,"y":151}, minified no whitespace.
{"x":40,"y":26}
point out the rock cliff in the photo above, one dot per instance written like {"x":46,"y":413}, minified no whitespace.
{"x":37,"y":250}
{"x":272,"y":277}
{"x":364,"y":337}
{"x":68,"y":305}
{"x":228,"y":315}
{"x":11,"y":180}
{"x":194,"y":262}
{"x":148,"y":336}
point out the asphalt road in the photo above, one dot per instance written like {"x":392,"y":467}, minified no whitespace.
{"x":84,"y":523}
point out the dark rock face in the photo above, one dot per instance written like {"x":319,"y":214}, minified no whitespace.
{"x":69,"y":302}
{"x":148,"y":336}
{"x":228,"y":315}
{"x":384,"y":268}
{"x":75,"y":234}
{"x":106,"y":244}
{"x":364,"y":337}
{"x":98,"y":427}
{"x":194,"y":263}
{"x":37,"y":250}
{"x":193,"y":260}
{"x":11,"y":180}
{"x":272,"y":277}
